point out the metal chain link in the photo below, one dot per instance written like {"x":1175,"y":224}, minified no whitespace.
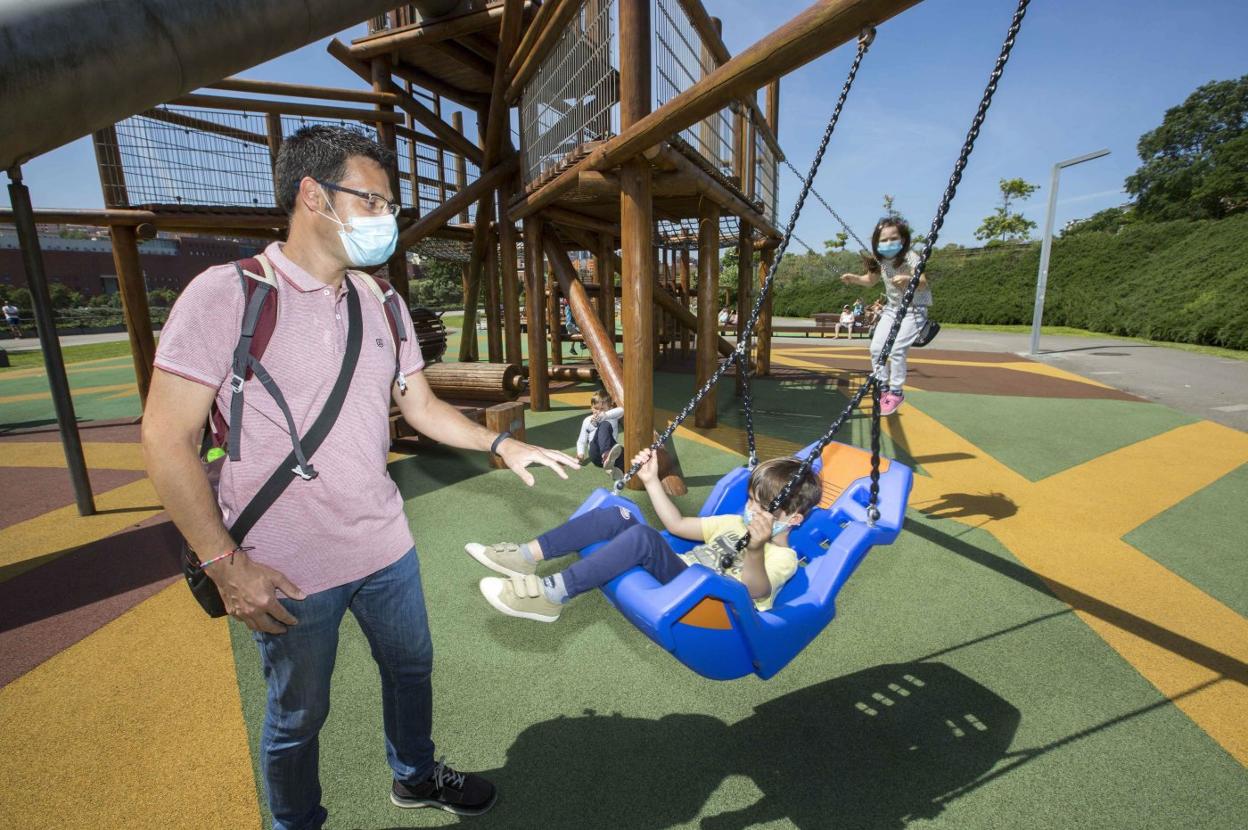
{"x":837,"y":217}
{"x":872,"y":383}
{"x":742,"y":349}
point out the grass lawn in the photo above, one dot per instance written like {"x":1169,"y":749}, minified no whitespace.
{"x":72,"y":354}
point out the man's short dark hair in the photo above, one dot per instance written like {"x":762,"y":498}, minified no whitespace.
{"x":321,"y":151}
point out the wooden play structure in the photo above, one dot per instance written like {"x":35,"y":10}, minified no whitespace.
{"x":611,"y":149}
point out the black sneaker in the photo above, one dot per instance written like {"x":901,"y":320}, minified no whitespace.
{"x":461,"y":793}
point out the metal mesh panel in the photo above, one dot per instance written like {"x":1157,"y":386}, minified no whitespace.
{"x":573,"y":97}
{"x":189,"y":156}
{"x":680,"y":61}
{"x":766,"y":179}
{"x":683,"y":233}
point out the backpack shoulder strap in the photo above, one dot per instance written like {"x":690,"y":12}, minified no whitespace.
{"x":259,"y":284}
{"x":385,"y":294}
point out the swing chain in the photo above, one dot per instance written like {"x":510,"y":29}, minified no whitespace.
{"x":742,"y":348}
{"x":938,"y":222}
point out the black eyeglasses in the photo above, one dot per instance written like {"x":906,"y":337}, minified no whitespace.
{"x":377,"y":204}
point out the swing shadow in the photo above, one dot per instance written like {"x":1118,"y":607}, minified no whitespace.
{"x":873,"y":749}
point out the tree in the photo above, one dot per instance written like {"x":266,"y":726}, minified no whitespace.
{"x":838,"y":244}
{"x":888,"y":207}
{"x":1193,"y":164}
{"x":1004,"y":225}
{"x":1110,"y":220}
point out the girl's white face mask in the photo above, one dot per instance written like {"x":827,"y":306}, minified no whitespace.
{"x":371,"y":240}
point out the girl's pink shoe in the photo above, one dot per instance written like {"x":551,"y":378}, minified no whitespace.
{"x":889,"y":402}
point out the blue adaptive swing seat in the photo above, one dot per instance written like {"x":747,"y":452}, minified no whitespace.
{"x":708,"y":621}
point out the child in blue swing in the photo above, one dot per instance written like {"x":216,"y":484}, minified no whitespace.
{"x":765,"y":565}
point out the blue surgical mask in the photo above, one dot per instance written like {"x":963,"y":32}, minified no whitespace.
{"x":776,"y":528}
{"x":890,"y":249}
{"x":371,"y":240}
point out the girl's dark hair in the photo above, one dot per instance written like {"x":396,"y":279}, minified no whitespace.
{"x":321,"y":152}
{"x":769,"y":478}
{"x":902,"y":228}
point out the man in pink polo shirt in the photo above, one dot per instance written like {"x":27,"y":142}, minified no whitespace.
{"x":340,"y":540}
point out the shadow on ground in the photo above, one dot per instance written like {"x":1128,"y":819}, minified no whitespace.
{"x":876,"y":749}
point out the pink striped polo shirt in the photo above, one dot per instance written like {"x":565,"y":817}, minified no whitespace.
{"x":348,"y":521}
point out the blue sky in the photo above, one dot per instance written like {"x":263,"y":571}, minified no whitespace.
{"x":1085,"y":74}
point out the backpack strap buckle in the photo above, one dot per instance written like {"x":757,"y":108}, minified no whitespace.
{"x":236,"y":383}
{"x":304,"y":471}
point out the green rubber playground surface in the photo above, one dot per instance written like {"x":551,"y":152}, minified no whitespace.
{"x":1000,"y":666}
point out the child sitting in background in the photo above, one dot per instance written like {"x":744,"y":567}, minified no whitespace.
{"x":599,"y":439}
{"x":765,"y":565}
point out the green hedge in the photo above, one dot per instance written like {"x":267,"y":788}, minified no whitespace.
{"x":1179,"y":281}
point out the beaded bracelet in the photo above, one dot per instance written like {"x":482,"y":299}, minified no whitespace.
{"x":228,"y":553}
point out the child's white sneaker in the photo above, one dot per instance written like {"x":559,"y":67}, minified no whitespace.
{"x":505,"y":558}
{"x":520,"y":596}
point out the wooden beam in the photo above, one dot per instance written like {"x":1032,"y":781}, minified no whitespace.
{"x":604,"y":253}
{"x":684,"y":302}
{"x":706,"y":414}
{"x":273,"y":124}
{"x":712,"y":189}
{"x":762,"y":358}
{"x":535,"y":313}
{"x":221,"y":102}
{"x":326,"y":93}
{"x":563,"y":216}
{"x":745,"y":279}
{"x":396,"y":265}
{"x":422,"y":79}
{"x":531,"y":33}
{"x":816,"y":31}
{"x":427,"y":117}
{"x":434,"y":219}
{"x":526,"y":63}
{"x":509,"y":251}
{"x":467,"y":59}
{"x":607,"y":185}
{"x":493,"y":321}
{"x":133,"y":292}
{"x":601,"y":345}
{"x":427,"y":31}
{"x":191,"y":122}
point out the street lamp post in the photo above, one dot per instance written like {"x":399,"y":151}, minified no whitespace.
{"x":1042,"y":278}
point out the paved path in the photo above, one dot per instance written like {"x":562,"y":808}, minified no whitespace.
{"x":1215,"y":388}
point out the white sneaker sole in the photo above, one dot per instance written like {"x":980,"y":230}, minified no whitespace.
{"x":491,"y":587}
{"x":478,"y":552}
{"x":419,"y":803}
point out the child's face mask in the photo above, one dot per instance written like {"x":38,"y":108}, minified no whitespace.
{"x":891,"y":248}
{"x":776,"y":528}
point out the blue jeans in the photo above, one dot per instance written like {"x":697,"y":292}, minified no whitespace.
{"x":629,"y":544}
{"x":390,"y":607}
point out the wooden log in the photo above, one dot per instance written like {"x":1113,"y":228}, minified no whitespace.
{"x":683,"y":316}
{"x":505,"y":417}
{"x":396,"y":265}
{"x":475,"y":381}
{"x":581,"y":374}
{"x":601,"y":346}
{"x":684,"y":300}
{"x":745,"y":280}
{"x":273,"y":124}
{"x":816,"y":31}
{"x":469,"y":61}
{"x":430,"y":31}
{"x":134,"y":307}
{"x":427,"y":117}
{"x":509,"y":251}
{"x":493,"y":319}
{"x":572,"y":218}
{"x":706,"y":415}
{"x":325,"y":93}
{"x":535,"y":311}
{"x":604,"y":259}
{"x":763,"y":341}
{"x":203,"y":125}
{"x":535,"y":28}
{"x":554,"y":314}
{"x":436,"y":218}
{"x":221,"y":102}
{"x":545,"y":39}
{"x":422,"y":79}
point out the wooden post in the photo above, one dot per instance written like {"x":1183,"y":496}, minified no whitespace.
{"x":134,"y":304}
{"x":459,"y":165}
{"x":273,"y":122}
{"x":509,"y":250}
{"x":412,"y":157}
{"x":606,"y":281}
{"x":535,"y":312}
{"x":505,"y":417}
{"x":396,"y":266}
{"x":684,"y":299}
{"x":493,"y":322}
{"x":468,"y":349}
{"x":601,"y":348}
{"x":636,"y":235}
{"x":745,"y":279}
{"x":706,"y":415}
{"x":763,"y":342}
{"x":554,"y":318}
{"x":125,"y":241}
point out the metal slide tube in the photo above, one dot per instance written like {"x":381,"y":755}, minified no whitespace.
{"x":70,"y":67}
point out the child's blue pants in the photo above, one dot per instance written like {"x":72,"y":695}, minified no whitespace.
{"x":630,"y":544}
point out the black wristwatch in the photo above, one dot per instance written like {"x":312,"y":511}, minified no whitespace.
{"x":502,"y":436}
